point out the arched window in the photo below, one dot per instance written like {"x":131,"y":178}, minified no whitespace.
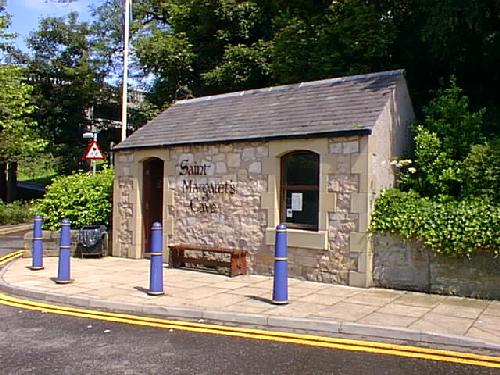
{"x":299,"y":206}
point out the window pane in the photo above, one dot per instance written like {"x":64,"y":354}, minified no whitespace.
{"x":302,"y":169}
{"x":302,"y":207}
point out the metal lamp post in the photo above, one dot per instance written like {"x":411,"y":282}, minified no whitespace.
{"x":127,"y":4}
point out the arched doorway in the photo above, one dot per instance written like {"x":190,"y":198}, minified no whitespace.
{"x":152,"y":201}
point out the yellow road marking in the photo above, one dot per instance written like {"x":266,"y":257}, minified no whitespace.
{"x":11,"y":256}
{"x":252,"y":333}
{"x":258,"y":334}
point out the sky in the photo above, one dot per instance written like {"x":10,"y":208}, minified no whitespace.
{"x":27,"y":13}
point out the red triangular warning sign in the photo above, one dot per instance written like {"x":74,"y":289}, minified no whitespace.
{"x":93,"y":152}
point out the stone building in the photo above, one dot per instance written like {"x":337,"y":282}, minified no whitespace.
{"x":224,"y":170}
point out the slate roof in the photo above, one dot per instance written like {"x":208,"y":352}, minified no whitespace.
{"x":348,"y":105}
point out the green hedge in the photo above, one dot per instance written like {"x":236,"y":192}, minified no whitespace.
{"x":82,"y":198}
{"x":451,"y":227}
{"x":14,"y":213}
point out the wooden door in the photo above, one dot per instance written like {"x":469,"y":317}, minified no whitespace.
{"x":152,"y":197}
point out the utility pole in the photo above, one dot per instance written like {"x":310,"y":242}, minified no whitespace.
{"x":126,"y":32}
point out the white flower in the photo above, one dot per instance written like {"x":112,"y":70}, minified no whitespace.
{"x":412,"y":170}
{"x":405,"y":162}
{"x":394,"y":162}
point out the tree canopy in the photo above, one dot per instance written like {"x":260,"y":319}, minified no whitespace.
{"x":68,"y":76}
{"x":218,"y":46}
{"x":207,"y":47}
{"x":18,"y":131}
{"x":190,"y":48}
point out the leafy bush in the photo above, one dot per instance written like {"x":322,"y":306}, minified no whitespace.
{"x":450,"y":197}
{"x":82,"y":198}
{"x":436,"y":172}
{"x":14,"y":213}
{"x":443,"y":142}
{"x":450,"y":118}
{"x":451,"y":227}
{"x":482,"y":170}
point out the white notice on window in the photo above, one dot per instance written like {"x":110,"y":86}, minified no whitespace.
{"x":289,"y":212}
{"x":296,"y":201}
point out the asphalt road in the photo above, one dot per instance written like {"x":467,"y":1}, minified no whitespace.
{"x":42,"y":343}
{"x":11,"y":242}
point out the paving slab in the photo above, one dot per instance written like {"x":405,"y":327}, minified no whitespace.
{"x":461,"y":307}
{"x":438,"y":323}
{"x":220,"y":300}
{"x":252,"y":291}
{"x":299,"y":292}
{"x":391,"y":320}
{"x":488,"y":323}
{"x":321,"y":299}
{"x":404,"y":310}
{"x":420,"y":299}
{"x":345,"y":311}
{"x":296,"y":309}
{"x":493,"y":308}
{"x":121,"y":284}
{"x":373,"y":299}
{"x":339,"y":291}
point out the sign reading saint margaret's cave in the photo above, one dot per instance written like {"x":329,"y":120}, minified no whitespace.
{"x":201,"y":195}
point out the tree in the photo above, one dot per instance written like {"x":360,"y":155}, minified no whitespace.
{"x":439,"y":38}
{"x":68,"y":78}
{"x":19,"y":137}
{"x":195,"y":47}
{"x":346,"y":37}
{"x":225,"y":45}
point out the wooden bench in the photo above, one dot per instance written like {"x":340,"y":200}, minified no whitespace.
{"x":237,"y":264}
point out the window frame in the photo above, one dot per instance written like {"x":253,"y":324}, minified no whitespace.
{"x":284,"y":187}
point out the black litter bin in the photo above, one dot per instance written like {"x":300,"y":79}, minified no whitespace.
{"x":91,"y":240}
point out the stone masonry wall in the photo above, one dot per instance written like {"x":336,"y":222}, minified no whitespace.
{"x":216,"y":195}
{"x":341,"y":223}
{"x":334,"y":263}
{"x":124,"y":205}
{"x":411,"y":266}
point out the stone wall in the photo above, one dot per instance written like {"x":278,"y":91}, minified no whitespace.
{"x":238,"y":219}
{"x":217,"y":202}
{"x":124,"y":204}
{"x":411,"y":266}
{"x":344,"y":182}
{"x":228,"y":195}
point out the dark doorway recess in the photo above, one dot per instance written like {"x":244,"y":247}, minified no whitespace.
{"x":152,"y":203}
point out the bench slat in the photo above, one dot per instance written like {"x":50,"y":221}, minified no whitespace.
{"x":237,"y":264}
{"x":202,"y":261}
{"x":208,"y":248}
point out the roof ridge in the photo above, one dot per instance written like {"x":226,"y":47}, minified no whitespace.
{"x":321,"y":82}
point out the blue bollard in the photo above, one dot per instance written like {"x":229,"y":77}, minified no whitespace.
{"x":280,"y":286}
{"x":37,"y":244}
{"x":156,"y":261}
{"x":63,"y":274}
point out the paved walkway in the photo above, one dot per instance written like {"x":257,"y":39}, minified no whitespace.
{"x":120,"y":285}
